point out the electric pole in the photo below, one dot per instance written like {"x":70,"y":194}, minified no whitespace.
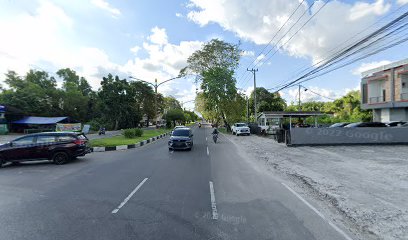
{"x":299,"y":98}
{"x":247,"y":108}
{"x":254,"y":73}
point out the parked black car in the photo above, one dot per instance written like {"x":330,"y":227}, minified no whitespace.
{"x":366,"y":124}
{"x":59,"y":147}
{"x":181,"y":138}
{"x":339,"y":125}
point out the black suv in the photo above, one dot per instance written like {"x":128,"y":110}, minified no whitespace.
{"x":181,"y":138}
{"x":59,"y":147}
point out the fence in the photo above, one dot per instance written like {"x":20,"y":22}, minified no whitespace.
{"x":347,"y":136}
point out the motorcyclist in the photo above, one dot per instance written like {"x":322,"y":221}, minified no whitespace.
{"x":215,"y":134}
{"x":199,"y":125}
{"x":215,"y":131}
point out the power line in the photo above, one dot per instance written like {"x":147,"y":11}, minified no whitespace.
{"x":393,"y":27}
{"x":301,"y":27}
{"x":281,"y":27}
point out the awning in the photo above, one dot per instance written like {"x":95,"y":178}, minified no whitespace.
{"x":40,"y":120}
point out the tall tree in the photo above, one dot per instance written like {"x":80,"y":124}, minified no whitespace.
{"x":215,"y":64}
{"x":266,"y":101}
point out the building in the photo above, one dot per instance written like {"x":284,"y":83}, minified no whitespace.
{"x":385,"y":91}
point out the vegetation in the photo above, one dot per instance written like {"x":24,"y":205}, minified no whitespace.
{"x":344,"y":109}
{"x":118,"y":104}
{"x":215,"y":65}
{"x":132,"y":132}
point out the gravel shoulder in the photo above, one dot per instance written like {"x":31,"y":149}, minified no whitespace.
{"x":363,"y":187}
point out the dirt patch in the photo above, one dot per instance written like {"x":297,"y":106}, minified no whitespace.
{"x":367,"y":185}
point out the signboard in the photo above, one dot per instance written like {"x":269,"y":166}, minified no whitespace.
{"x":71,"y":127}
{"x":86,"y":129}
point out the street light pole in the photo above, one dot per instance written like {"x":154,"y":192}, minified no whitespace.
{"x":156,"y":86}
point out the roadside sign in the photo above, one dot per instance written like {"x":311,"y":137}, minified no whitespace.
{"x":86,"y":128}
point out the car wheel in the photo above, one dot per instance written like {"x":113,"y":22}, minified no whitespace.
{"x":1,"y":161}
{"x":60,"y":158}
{"x":170,"y":149}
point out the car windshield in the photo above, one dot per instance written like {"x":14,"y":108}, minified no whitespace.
{"x":241,"y":125}
{"x":181,"y":133}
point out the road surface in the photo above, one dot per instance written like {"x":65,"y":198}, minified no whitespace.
{"x":211,"y":192}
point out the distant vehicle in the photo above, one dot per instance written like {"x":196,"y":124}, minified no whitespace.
{"x":395,"y":123}
{"x":181,"y":138}
{"x":240,"y":129}
{"x":339,"y":125}
{"x":366,"y":124}
{"x":60,"y":147}
{"x":102,"y":131}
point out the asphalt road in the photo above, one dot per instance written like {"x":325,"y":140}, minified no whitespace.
{"x":210,"y":192}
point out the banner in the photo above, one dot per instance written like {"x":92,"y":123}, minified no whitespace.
{"x":71,"y":127}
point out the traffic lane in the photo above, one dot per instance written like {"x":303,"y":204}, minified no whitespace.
{"x":253,"y":203}
{"x":78,"y":204}
{"x":170,"y":204}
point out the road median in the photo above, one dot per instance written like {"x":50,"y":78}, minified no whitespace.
{"x":122,"y":143}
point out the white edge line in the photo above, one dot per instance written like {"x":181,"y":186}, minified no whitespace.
{"x":208,"y":151}
{"x":318,"y":213}
{"x":213,"y":204}
{"x":130,"y":196}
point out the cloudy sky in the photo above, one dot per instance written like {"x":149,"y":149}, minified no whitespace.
{"x":152,"y":39}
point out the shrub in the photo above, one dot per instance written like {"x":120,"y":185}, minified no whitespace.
{"x":138,"y":132}
{"x":129,"y":133}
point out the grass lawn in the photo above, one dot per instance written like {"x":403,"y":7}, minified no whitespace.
{"x":223,"y":130}
{"x":121,"y":140}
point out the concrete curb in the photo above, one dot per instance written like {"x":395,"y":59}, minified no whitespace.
{"x":131,"y":146}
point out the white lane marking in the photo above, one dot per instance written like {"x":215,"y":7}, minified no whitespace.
{"x":213,"y":204}
{"x":208,"y":151}
{"x":318,"y":213}
{"x":128,"y":197}
{"x":206,"y":139}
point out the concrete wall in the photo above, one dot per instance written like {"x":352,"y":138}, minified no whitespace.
{"x":348,"y":136}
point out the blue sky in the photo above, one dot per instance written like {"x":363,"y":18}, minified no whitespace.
{"x":152,"y":39}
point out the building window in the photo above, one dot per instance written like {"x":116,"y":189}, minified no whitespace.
{"x":365,"y":93}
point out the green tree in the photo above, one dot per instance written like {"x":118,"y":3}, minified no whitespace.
{"x":266,"y":101}
{"x":215,"y":64}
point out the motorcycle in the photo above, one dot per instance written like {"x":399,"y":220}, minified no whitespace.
{"x":101,"y":131}
{"x":199,"y":125}
{"x":215,"y":137}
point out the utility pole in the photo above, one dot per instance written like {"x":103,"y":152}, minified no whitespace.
{"x":299,"y":98}
{"x":247,"y":99}
{"x":254,"y":73}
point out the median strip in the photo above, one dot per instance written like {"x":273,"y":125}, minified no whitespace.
{"x":129,"y":146}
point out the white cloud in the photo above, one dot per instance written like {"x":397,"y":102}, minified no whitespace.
{"x":312,"y":94}
{"x":402,"y":2}
{"x":164,"y":61}
{"x":259,"y":22}
{"x":247,"y":53}
{"x":107,"y":7}
{"x":368,"y":66}
{"x":179,"y":15}
{"x":159,"y":36}
{"x":135,"y":49}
